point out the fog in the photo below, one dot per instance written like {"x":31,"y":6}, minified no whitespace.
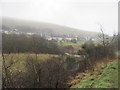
{"x":80,"y":14}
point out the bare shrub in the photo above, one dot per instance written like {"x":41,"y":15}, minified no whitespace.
{"x":43,"y":74}
{"x":54,"y":75}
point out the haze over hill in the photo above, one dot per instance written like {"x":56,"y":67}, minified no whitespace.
{"x":44,"y":28}
{"x":72,"y":13}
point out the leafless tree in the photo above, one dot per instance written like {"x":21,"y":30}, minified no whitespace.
{"x":7,"y":75}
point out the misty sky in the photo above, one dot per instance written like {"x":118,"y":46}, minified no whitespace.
{"x":79,"y":14}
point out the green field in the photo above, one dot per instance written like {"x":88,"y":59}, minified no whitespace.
{"x":106,"y":76}
{"x":70,"y":43}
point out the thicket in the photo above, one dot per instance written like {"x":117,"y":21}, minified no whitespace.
{"x":50,"y":73}
{"x":12,"y":43}
{"x":97,"y":52}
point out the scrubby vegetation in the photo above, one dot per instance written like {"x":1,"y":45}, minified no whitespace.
{"x":31,"y":71}
{"x":13,"y":43}
{"x":25,"y":67}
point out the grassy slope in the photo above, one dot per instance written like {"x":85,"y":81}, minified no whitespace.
{"x":104,"y":77}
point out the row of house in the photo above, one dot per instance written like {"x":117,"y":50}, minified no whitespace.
{"x":14,"y":31}
{"x":49,"y":38}
{"x":61,"y":38}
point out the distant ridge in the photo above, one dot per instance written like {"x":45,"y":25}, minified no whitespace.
{"x":44,"y":28}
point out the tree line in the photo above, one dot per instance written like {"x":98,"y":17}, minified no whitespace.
{"x":13,"y":43}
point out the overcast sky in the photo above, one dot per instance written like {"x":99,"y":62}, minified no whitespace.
{"x":80,"y":14}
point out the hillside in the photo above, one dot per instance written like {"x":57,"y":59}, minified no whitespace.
{"x":44,"y":28}
{"x":106,"y":76}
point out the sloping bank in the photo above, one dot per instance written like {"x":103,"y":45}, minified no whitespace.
{"x":104,"y":77}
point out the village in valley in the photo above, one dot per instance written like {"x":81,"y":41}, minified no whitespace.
{"x":58,"y":38}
